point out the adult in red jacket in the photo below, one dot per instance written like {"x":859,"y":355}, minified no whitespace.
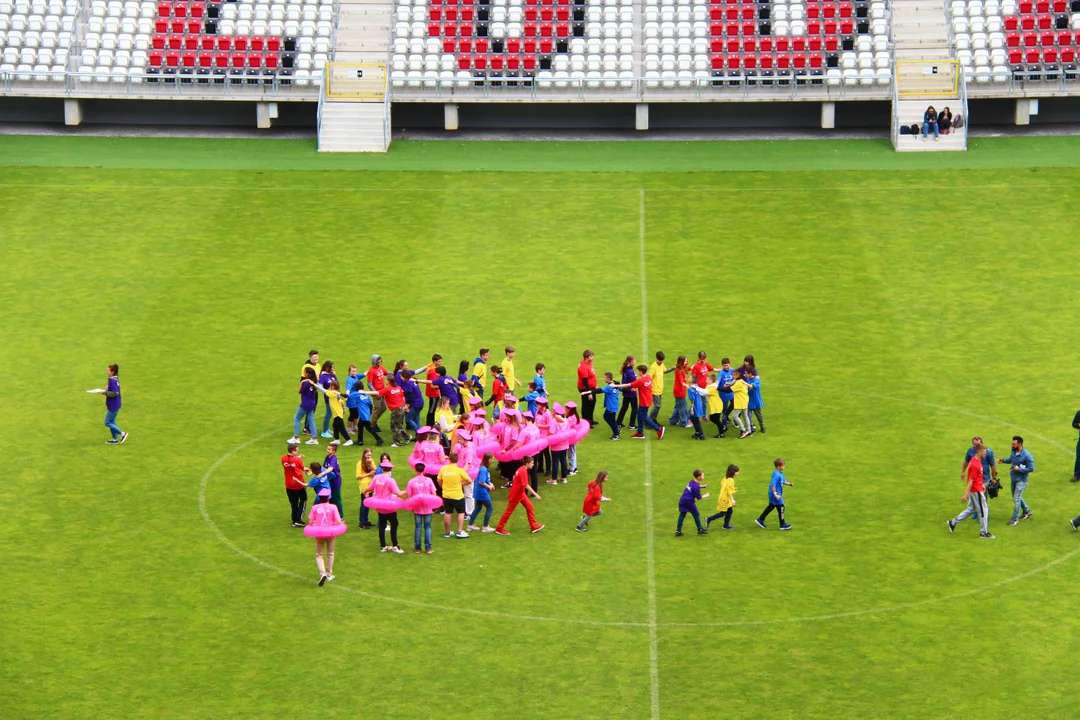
{"x":295,"y":487}
{"x":519,"y":488}
{"x":586,"y":384}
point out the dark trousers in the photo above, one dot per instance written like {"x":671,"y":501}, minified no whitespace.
{"x":364,"y":512}
{"x":696,"y":421}
{"x":335,"y":498}
{"x":765,"y":513}
{"x":609,"y":418}
{"x":682,"y":516}
{"x":340,"y":433}
{"x":725,"y":419}
{"x":298,"y":503}
{"x":391,"y":520}
{"x":760,"y":420}
{"x":543,"y":461}
{"x":629,"y":402}
{"x":534,"y":478}
{"x":643,"y":421}
{"x":431,"y":403}
{"x":366,"y":425}
{"x":715,"y":418}
{"x":588,"y":406}
{"x":558,"y":464}
{"x":1076,"y":467}
{"x":726,"y":514}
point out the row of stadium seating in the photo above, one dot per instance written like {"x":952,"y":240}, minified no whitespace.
{"x":1026,"y":40}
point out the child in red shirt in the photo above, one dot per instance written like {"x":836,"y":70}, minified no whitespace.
{"x":517,"y":495}
{"x":593,"y":498}
{"x":498,"y":391}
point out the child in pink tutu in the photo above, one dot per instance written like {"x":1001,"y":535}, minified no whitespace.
{"x":421,"y":485}
{"x":384,"y":486}
{"x":324,"y":524}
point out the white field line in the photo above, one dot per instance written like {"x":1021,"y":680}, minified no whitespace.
{"x":473,"y":191}
{"x":650,"y":545}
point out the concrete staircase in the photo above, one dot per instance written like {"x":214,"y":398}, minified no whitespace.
{"x":362,"y":36}
{"x":920,"y":30}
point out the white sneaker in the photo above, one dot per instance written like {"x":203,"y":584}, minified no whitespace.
{"x":312,"y":441}
{"x":605,"y":499}
{"x":397,"y":550}
{"x":472,"y":528}
{"x":293,"y":441}
{"x":394,"y":445}
{"x":487,"y":529}
{"x":347,"y":443}
{"x":329,"y":578}
{"x":462,"y":534}
{"x":384,"y":549}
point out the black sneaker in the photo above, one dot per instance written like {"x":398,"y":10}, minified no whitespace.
{"x":1013,"y":521}
{"x":1075,"y":527}
{"x":986,"y":536}
{"x":322,"y":580}
{"x":1026,"y":515}
{"x":729,"y":527}
{"x":702,"y":531}
{"x":678,"y":533}
{"x":952,"y":526}
{"x":718,"y":436}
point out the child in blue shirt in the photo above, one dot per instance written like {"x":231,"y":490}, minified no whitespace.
{"x":319,"y":482}
{"x":611,"y":405}
{"x":697,"y":396}
{"x":755,"y":405}
{"x":776,"y":496}
{"x":724,"y":379}
{"x":530,"y":397}
{"x":538,"y":378}
{"x":688,"y":503}
{"x":360,"y":404}
{"x":482,"y":495}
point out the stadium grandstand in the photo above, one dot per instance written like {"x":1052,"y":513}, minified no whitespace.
{"x":355,"y":59}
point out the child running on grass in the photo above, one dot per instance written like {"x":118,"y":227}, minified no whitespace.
{"x":725,"y":503}
{"x":482,"y":495}
{"x":593,"y":498}
{"x":337,"y":410}
{"x":715,"y":405}
{"x":688,"y":503}
{"x":776,"y":495}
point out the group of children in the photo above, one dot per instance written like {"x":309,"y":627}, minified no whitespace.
{"x":725,"y":503}
{"x":724,"y":396}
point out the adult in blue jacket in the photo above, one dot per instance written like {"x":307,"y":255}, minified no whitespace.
{"x":1022,"y":464}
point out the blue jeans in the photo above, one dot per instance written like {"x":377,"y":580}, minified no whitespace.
{"x":1019,"y":504}
{"x":326,"y":419}
{"x":422,"y":522}
{"x":110,"y":422}
{"x":680,"y":415}
{"x":412,"y":418}
{"x":304,"y":417}
{"x":364,"y":510}
{"x":488,"y":508}
{"x":571,"y":457}
{"x":926,"y":128}
{"x":682,"y":516}
{"x":643,"y":420}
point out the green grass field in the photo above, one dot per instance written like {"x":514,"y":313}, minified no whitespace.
{"x":895,"y":310}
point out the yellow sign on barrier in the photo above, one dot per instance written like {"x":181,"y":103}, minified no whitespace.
{"x":365,"y":82}
{"x":927,"y":78}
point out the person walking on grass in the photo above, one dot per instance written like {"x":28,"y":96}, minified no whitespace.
{"x":421,"y":485}
{"x":325,"y":525}
{"x":295,"y":487}
{"x":333,"y":471}
{"x":365,"y":472}
{"x":643,"y":385}
{"x":376,"y":380}
{"x":688,"y":503}
{"x":482,"y":495}
{"x":755,"y":404}
{"x":586,"y":385}
{"x":680,"y":415}
{"x":776,"y":495}
{"x":432,"y":391}
{"x":611,"y":405}
{"x":309,"y":401}
{"x":1076,"y":465}
{"x":657,"y":371}
{"x":519,"y":492}
{"x":591,"y":507}
{"x":725,"y":503}
{"x":1022,"y":464}
{"x":452,"y":482}
{"x":393,"y":398}
{"x":629,"y":400}
{"x":975,"y":496}
{"x":724,"y":379}
{"x":326,"y":376}
{"x":989,"y":465}
{"x":741,"y":402}
{"x":112,"y":404}
{"x":384,"y":486}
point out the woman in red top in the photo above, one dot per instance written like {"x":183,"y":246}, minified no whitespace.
{"x":517,"y":494}
{"x":432,"y":390}
{"x":680,"y":416}
{"x":593,"y":498}
{"x":586,"y":384}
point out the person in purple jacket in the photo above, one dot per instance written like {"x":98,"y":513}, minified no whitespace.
{"x":688,"y":503}
{"x":414,"y":399}
{"x":309,"y":400}
{"x":325,"y":377}
{"x":112,"y":405}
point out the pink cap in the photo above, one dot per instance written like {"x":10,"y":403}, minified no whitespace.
{"x":325,"y":492}
{"x":386,"y":464}
{"x":509,"y":399}
{"x":477,"y":420}
{"x":541,"y":400}
{"x":425,"y":429}
{"x":571,"y":404}
{"x":559,"y":409}
{"x":464,"y":434}
{"x":475,"y":400}
{"x":527,"y":414}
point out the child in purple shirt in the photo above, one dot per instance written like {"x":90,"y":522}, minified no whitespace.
{"x":688,"y":503}
{"x":112,"y":405}
{"x":325,"y":377}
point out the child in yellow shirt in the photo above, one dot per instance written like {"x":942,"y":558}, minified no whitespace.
{"x":741,"y":416}
{"x":725,"y":504}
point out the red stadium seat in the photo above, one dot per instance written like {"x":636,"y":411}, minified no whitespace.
{"x":749,"y":44}
{"x":188,"y":59}
{"x":765,"y":44}
{"x":1012,"y":39}
{"x":513,"y":62}
{"x":530,"y":14}
{"x":828,"y":11}
{"x":221,"y":60}
{"x":831,"y":44}
{"x":847,"y":27}
{"x":562,"y":30}
{"x":815,"y":60}
{"x":196,"y":10}
{"x":749,"y":28}
{"x":716,"y":29}
{"x":1011,"y":22}
{"x":464,"y":62}
{"x":1025,"y":7}
{"x":530,"y":47}
{"x":224,"y":42}
{"x":156,"y":59}
{"x":1065,"y":38}
{"x":845,"y":10}
{"x":1027,"y":22}
{"x":545,"y":47}
{"x":191,"y":42}
{"x":1068,"y":55}
{"x":271,"y":61}
{"x":733,"y":45}
{"x":547,"y":14}
{"x":1031,"y":39}
{"x":158,"y":42}
{"x":450,"y":30}
{"x":731,"y":29}
{"x":164,"y":10}
{"x":530,"y":29}
{"x":782,"y":44}
{"x":177,"y":26}
{"x":480,"y":62}
{"x":176,"y":42}
{"x":1060,"y":6}
{"x":161,"y":26}
{"x":716,"y":13}
{"x":207,"y":42}
{"x":765,"y":62}
{"x":240,"y":42}
{"x":800,"y":61}
{"x":813,"y":11}
{"x":172,"y":59}
{"x":783,"y":62}
{"x":513,"y":45}
{"x":530,"y":62}
{"x":830,"y":27}
{"x":238,"y":59}
{"x":748,"y":13}
{"x":1050,"y":55}
{"x":1015,"y":57}
{"x":258,"y":43}
{"x":179,"y":10}
{"x":813,"y":27}
{"x":434,"y":30}
{"x":1046,"y":22}
{"x":481,"y":45}
{"x":749,"y":61}
{"x":465,"y":30}
{"x":563,"y":15}
{"x":731,"y":13}
{"x":1047,"y":38}
{"x":467,"y":14}
{"x":1042,"y":6}
{"x":496,"y":63}
{"x":798,"y":44}
{"x":465,"y":46}
{"x":717,"y":62}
